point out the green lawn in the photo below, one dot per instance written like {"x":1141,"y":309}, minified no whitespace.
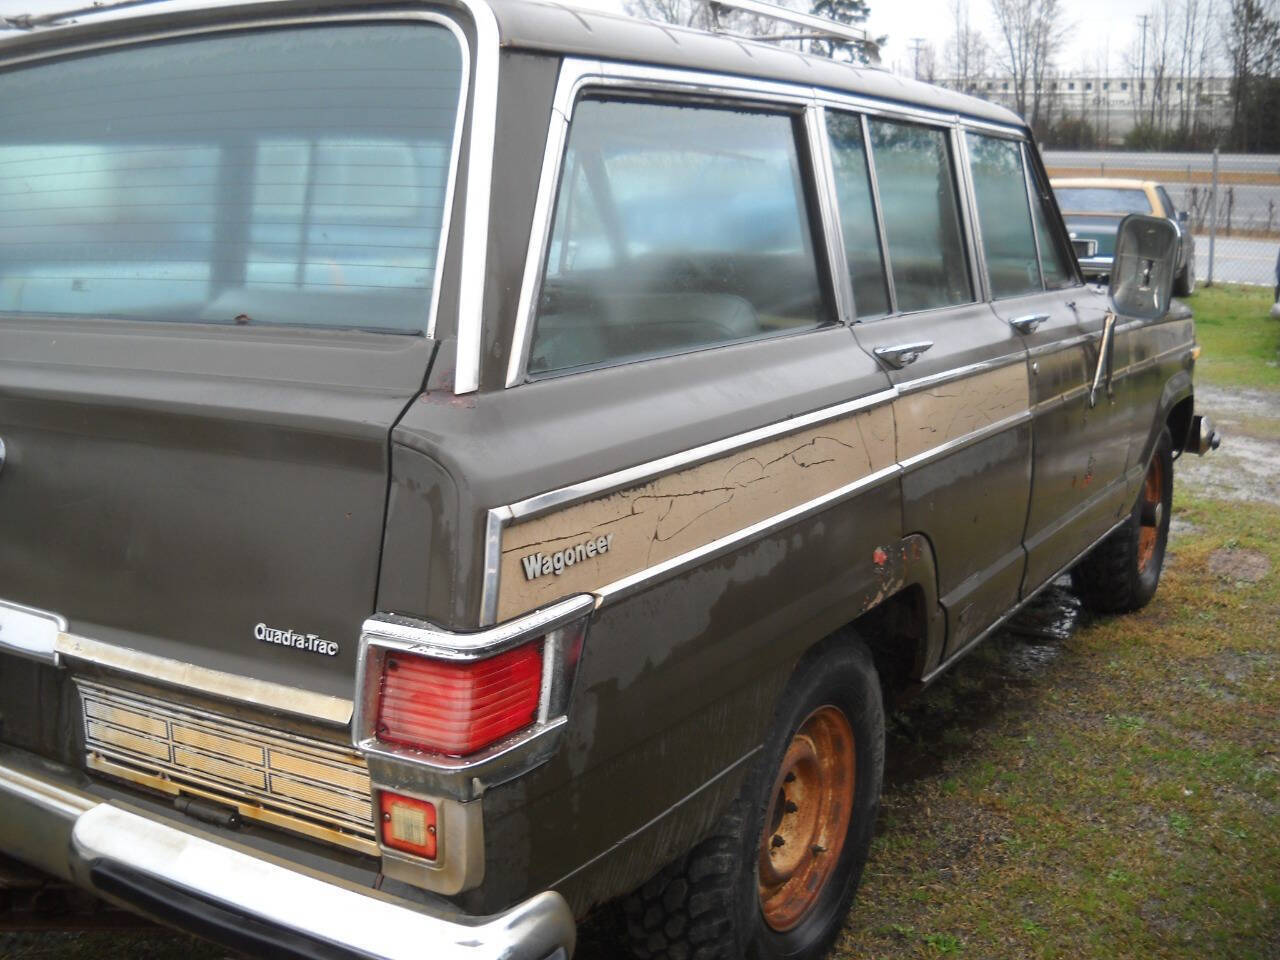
{"x":1241,"y":343}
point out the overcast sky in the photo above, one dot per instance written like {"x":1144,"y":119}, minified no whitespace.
{"x":1098,"y":27}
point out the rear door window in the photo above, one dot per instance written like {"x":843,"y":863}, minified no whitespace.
{"x":915,"y":173}
{"x":676,"y":227}
{"x":857,"y":215}
{"x":1000,"y":188}
{"x":292,"y":176}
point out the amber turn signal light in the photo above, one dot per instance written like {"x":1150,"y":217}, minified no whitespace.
{"x":408,"y":824}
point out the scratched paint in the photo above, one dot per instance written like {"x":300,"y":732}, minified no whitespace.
{"x":929,"y":418}
{"x":670,"y":515}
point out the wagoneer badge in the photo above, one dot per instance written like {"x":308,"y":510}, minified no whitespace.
{"x":541,"y":564}
{"x":299,"y":641}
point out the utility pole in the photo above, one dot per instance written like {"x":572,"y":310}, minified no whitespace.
{"x":917,"y":44}
{"x":1142,"y":70}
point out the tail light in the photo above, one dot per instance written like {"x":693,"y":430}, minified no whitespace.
{"x":456,"y":708}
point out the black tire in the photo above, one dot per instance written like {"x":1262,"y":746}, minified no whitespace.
{"x":1122,"y":573}
{"x":707,"y":905}
{"x":1184,"y":283}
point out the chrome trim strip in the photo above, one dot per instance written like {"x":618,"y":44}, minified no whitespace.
{"x":47,"y":796}
{"x":628,"y":585}
{"x":540,"y":229}
{"x":427,"y":640}
{"x":878,"y":211}
{"x":30,"y":633}
{"x":1058,"y":345}
{"x":276,"y":697}
{"x":563,"y":624}
{"x":475,"y":226}
{"x":545,"y":502}
{"x":494,"y":522}
{"x":959,"y":443}
{"x":967,"y":195}
{"x":1031,"y":199}
{"x":287,"y":19}
{"x":363,"y":922}
{"x":833,"y":237}
{"x":959,"y":373}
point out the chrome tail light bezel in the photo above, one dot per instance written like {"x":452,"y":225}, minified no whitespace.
{"x":561,"y":627}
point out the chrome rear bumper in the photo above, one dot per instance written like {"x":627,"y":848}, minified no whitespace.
{"x":243,"y":900}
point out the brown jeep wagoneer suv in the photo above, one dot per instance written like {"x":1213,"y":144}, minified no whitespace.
{"x":464,"y":462}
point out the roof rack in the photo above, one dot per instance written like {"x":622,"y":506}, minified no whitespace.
{"x":814,"y":27}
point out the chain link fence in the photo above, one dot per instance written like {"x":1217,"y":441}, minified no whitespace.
{"x":1233,"y":201}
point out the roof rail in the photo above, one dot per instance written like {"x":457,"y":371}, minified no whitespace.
{"x":814,"y":27}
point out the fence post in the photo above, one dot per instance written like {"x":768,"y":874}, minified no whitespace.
{"x":1213,"y":216}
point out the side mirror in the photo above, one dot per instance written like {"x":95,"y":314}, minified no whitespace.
{"x":1142,"y":272}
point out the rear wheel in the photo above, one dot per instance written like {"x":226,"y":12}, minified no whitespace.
{"x":776,"y":877}
{"x":1123,"y":572}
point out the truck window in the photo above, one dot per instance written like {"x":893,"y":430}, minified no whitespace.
{"x":1000,"y":187}
{"x":676,"y":227}
{"x":915,"y":174}
{"x":275,"y":177}
{"x":1055,"y":257}
{"x":857,"y":218}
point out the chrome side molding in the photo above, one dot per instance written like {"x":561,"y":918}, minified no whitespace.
{"x":30,"y":633}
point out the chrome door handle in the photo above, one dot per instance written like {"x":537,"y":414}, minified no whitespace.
{"x":899,"y":355}
{"x":1028,"y":323}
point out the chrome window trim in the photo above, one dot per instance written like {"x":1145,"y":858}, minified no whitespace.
{"x":576,"y":73}
{"x":973,"y":236}
{"x":1031,"y":200}
{"x":295,"y":19}
{"x":815,"y":125}
{"x":878,"y":210}
{"x":30,"y":632}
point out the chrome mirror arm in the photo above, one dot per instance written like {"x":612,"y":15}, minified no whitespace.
{"x":1105,"y":347}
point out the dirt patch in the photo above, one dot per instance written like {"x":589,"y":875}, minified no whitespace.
{"x":1247,"y":466}
{"x":1242,"y":566}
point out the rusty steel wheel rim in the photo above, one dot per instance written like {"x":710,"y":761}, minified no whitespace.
{"x":808,"y":818}
{"x":1152,"y":514}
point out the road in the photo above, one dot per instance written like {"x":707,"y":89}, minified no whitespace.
{"x":1237,"y":260}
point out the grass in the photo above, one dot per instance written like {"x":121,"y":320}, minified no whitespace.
{"x":1241,"y":343}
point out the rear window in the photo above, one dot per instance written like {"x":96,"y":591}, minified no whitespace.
{"x":1102,"y":200}
{"x":278,"y":177}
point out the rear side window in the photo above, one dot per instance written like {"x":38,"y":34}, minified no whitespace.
{"x":676,"y":227}
{"x":857,"y":216}
{"x":915,"y":174}
{"x":281,"y":177}
{"x":1102,"y":200}
{"x":1000,"y":186}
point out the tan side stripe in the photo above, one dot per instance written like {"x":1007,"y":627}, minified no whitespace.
{"x":665,"y":522}
{"x":663,"y":518}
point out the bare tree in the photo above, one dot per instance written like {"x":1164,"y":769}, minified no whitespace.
{"x":1031,"y":33}
{"x":1252,"y":42}
{"x":966,"y":52}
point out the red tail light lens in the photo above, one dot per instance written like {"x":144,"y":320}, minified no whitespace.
{"x":456,"y":708}
{"x":408,"y":824}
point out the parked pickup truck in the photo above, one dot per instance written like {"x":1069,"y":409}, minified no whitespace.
{"x":465,"y":462}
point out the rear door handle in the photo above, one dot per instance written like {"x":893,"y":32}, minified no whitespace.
{"x":902,"y":354}
{"x":1028,"y":323}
